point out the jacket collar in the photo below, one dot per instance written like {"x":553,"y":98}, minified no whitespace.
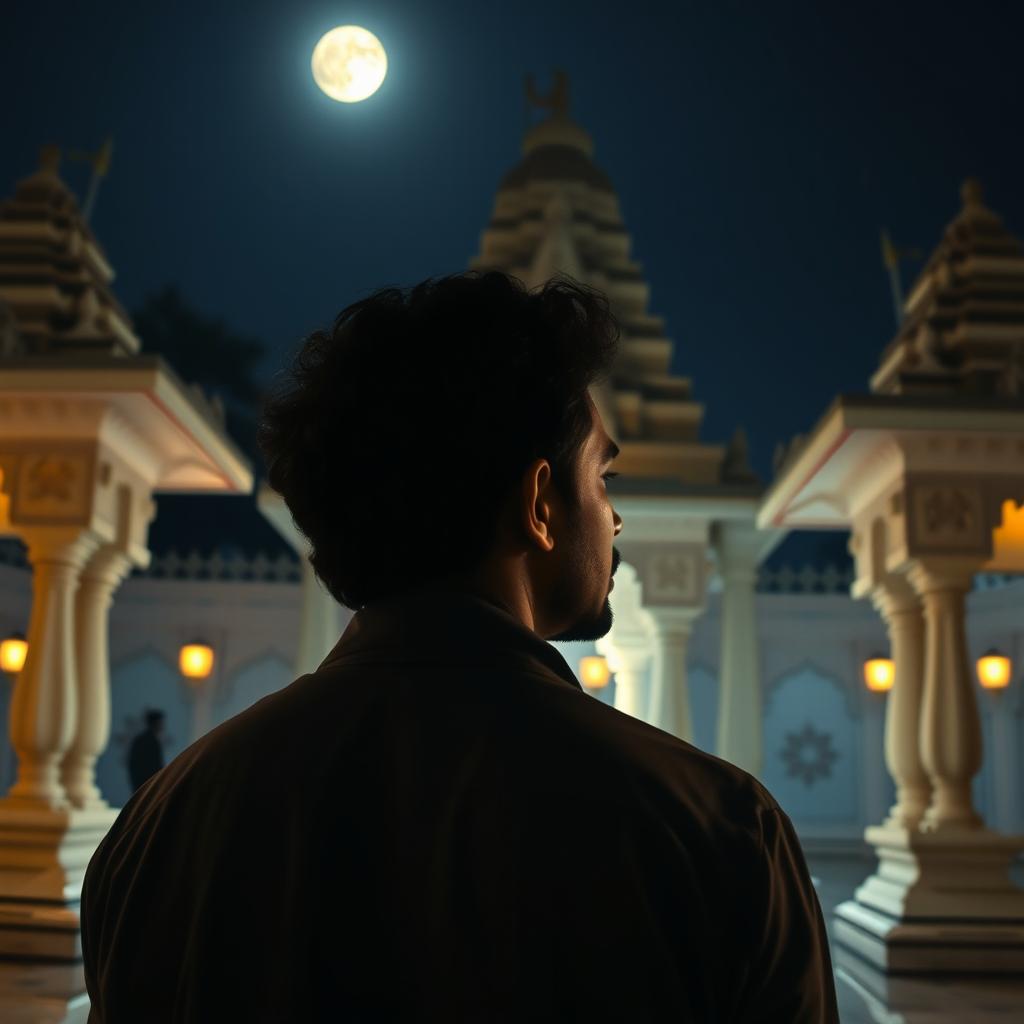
{"x":441,"y":626}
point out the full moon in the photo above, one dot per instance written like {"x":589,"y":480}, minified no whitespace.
{"x":349,"y":63}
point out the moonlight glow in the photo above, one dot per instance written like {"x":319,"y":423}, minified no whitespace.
{"x":349,"y":64}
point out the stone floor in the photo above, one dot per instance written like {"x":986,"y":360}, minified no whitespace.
{"x":866,"y":996}
{"x":54,"y":995}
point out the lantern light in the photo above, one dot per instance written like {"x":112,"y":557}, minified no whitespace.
{"x":594,"y":673}
{"x":879,"y":673}
{"x":195,"y":661}
{"x":994,"y":670}
{"x":12,"y":653}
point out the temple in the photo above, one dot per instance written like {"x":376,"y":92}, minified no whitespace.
{"x":855,"y":691}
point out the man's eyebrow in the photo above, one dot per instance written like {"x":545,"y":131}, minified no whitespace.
{"x":611,"y":452}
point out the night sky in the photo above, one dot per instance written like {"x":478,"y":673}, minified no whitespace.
{"x":756,"y":148}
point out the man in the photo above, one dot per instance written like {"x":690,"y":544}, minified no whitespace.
{"x":146,"y":754}
{"x":439,"y":824}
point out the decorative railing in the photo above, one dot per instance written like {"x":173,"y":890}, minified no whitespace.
{"x":193,"y":565}
{"x":257,"y":568}
{"x":808,"y":579}
{"x":285,"y":568}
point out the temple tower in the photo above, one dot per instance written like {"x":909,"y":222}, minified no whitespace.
{"x":688,"y":506}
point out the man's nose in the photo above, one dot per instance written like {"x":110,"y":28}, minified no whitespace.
{"x":617,"y":520}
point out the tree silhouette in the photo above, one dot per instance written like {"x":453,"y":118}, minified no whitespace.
{"x":205,"y":351}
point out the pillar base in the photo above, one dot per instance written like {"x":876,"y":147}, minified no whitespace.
{"x":43,"y":857}
{"x":37,"y":994}
{"x":940,"y":902}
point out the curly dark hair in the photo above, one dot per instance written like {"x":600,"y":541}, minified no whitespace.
{"x":472,"y":368}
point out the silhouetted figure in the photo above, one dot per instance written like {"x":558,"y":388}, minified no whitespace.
{"x":439,"y":824}
{"x":146,"y":755}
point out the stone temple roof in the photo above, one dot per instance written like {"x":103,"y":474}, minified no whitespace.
{"x":557,"y":162}
{"x":54,"y":277}
{"x":556,"y":214}
{"x":963,"y":331}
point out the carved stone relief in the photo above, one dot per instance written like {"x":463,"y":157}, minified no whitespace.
{"x":675,"y":576}
{"x":948,"y":517}
{"x":809,"y":754}
{"x":53,"y":488}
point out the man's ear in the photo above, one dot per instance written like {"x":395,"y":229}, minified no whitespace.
{"x":537,"y":505}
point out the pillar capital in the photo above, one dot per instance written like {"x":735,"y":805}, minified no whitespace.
{"x":668,"y":621}
{"x":739,"y":547}
{"x":927,"y":575}
{"x":71,"y":546}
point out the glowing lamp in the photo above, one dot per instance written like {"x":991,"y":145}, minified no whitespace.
{"x":12,"y":653}
{"x":594,"y":673}
{"x":879,"y":673}
{"x":195,"y":661}
{"x":994,"y":670}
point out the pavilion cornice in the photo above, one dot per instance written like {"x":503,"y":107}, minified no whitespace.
{"x":150,"y":395}
{"x":815,"y":488}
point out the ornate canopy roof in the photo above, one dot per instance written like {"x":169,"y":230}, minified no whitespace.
{"x":963,"y":332}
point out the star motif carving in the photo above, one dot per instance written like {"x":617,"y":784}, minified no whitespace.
{"x":809,"y":754}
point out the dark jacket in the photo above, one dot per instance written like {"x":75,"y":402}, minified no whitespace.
{"x":439,"y":824}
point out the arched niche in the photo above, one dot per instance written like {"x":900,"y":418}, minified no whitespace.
{"x":812,"y":750}
{"x":145,"y":681}
{"x":850,"y":694}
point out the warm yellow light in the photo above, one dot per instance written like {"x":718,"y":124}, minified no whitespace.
{"x":12,"y":654}
{"x":879,"y":673}
{"x":349,"y":63}
{"x":994,"y":670}
{"x":195,"y":661}
{"x":594,"y":673}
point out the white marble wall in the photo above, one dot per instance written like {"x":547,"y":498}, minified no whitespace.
{"x":813,"y":648}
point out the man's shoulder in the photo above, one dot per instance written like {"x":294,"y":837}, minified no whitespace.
{"x":624,"y":762}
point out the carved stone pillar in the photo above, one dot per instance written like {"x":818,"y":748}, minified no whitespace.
{"x":900,"y":608}
{"x":45,"y":702}
{"x":740,"y":721}
{"x":670,"y":694}
{"x":631,"y":663}
{"x":628,"y":645}
{"x":100,"y":578}
{"x":950,"y":725}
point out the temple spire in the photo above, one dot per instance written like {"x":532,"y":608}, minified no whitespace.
{"x":557,"y":100}
{"x":963,"y":317}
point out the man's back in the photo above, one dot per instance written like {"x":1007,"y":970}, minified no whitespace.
{"x":438,"y":824}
